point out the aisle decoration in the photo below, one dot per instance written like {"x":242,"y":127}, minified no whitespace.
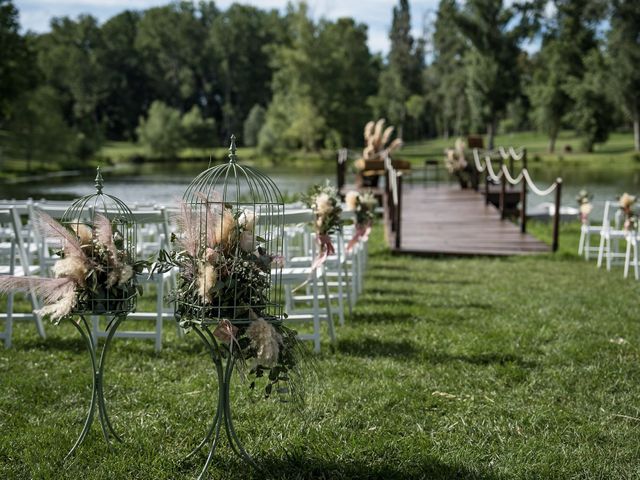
{"x":457,"y":165}
{"x":326,"y":205}
{"x":627,"y":203}
{"x":228,"y":250}
{"x":363,"y":205}
{"x":584,"y":205}
{"x":95,"y":275}
{"x":378,"y":147}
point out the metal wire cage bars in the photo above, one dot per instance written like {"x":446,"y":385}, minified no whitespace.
{"x":107,"y":232}
{"x":232,"y":224}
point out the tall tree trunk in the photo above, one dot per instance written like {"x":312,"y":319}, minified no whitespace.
{"x":636,"y":130}
{"x":491,"y":127}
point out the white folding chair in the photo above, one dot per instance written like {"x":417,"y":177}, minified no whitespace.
{"x":13,"y":251}
{"x":312,"y":306}
{"x":584,"y":246}
{"x":610,"y":236}
{"x":153,"y":233}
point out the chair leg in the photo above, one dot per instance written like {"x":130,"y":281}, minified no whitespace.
{"x":581,"y":242}
{"x":635,"y":259}
{"x":587,"y":253}
{"x":8,"y":328}
{"x":627,"y":259}
{"x":600,"y":251}
{"x":316,"y":315}
{"x":609,"y":253}
{"x":332,"y":333}
{"x":159,"y":310}
{"x":35,"y":304}
{"x":340,"y":294}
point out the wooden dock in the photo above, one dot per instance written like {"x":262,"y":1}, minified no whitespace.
{"x":449,"y":221}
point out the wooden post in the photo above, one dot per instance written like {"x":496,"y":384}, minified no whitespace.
{"x":486,"y":188}
{"x":398,"y":214}
{"x":503,"y":192}
{"x":523,"y":196}
{"x":556,"y":217}
{"x":523,"y":205}
{"x":340,"y":168}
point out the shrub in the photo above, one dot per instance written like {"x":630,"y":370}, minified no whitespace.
{"x":161,"y":132}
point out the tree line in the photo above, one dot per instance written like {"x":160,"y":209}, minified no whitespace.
{"x":189,"y":74}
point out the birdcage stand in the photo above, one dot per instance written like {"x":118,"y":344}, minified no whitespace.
{"x":97,"y":391}
{"x":222,"y":417}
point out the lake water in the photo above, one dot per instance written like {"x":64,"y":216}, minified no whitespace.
{"x":162,"y":184}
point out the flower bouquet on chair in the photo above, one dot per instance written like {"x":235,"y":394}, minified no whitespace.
{"x":325,"y":203}
{"x":627,"y":203}
{"x":363,"y":206}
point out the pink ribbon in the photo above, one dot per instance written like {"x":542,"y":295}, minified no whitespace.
{"x":326,"y":249}
{"x":362,"y":233}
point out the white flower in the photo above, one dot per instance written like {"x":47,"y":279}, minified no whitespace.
{"x":247,"y":219}
{"x":351,"y":200}
{"x":586,"y":208}
{"x":247,"y":243}
{"x":627,"y":200}
{"x":266,"y":341}
{"x":323,"y":204}
{"x":84,"y":233}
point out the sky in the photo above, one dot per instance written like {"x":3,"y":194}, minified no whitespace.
{"x":35,"y":15}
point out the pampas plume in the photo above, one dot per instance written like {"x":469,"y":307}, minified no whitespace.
{"x":58,"y":294}
{"x":187,"y":226}
{"x":104,"y":235}
{"x":377,"y":134}
{"x":368,"y":130}
{"x":48,"y":227}
{"x":206,"y":280}
{"x":212,"y":220}
{"x":387,"y":135}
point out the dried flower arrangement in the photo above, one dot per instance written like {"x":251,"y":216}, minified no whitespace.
{"x":95,"y":272}
{"x":377,"y":139}
{"x":457,"y":165}
{"x":225,"y":280}
{"x":363,"y":205}
{"x":627,"y":203}
{"x":584,"y":205}
{"x":326,"y":205}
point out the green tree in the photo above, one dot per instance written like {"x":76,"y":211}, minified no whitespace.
{"x":128,"y":93}
{"x":495,"y":33}
{"x":38,"y":130}
{"x":239,"y":39}
{"x":197,"y":130}
{"x":403,"y":75}
{"x":569,"y":37}
{"x":171,"y":42}
{"x":592,"y":112}
{"x":624,"y":60}
{"x":69,"y":59}
{"x":446,"y":75}
{"x":161,"y":132}
{"x":252,"y":125}
{"x":17,"y":72}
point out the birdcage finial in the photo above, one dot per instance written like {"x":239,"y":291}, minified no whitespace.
{"x":99,"y":181}
{"x":232,"y":150}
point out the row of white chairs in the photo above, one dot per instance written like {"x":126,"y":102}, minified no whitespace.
{"x":328,"y":292}
{"x":610,"y":234}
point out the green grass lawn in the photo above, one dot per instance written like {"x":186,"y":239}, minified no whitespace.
{"x":448,"y":368}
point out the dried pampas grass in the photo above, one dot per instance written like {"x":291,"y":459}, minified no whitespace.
{"x":48,"y":227}
{"x":71,"y":267}
{"x":266,"y":341}
{"x":207,"y":277}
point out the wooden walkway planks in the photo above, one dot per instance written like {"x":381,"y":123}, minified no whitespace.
{"x":450,"y":221}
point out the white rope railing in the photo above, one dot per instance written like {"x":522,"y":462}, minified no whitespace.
{"x":515,"y":155}
{"x":510,"y":179}
{"x":535,"y":188}
{"x":476,"y":159}
{"x":491,"y":171}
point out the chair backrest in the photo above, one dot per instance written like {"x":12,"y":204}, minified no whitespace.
{"x":10,"y":220}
